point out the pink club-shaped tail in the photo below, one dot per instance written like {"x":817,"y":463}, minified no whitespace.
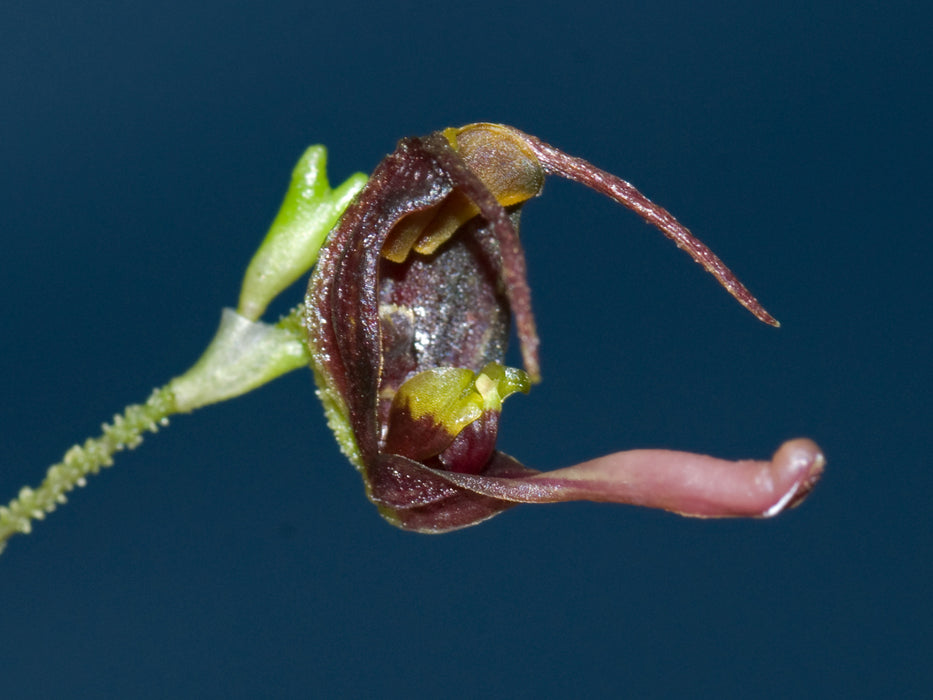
{"x":681,"y":482}
{"x":419,"y":498}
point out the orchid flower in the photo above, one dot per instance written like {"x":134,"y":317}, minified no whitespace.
{"x":408,"y":315}
{"x":405,"y":325}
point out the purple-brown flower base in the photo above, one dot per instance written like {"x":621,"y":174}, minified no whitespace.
{"x":420,"y":498}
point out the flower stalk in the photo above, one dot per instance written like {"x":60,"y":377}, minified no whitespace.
{"x":244,"y":354}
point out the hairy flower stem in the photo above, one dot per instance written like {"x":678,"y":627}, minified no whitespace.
{"x":242,"y":356}
{"x":126,"y":432}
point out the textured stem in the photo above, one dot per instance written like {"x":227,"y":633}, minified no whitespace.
{"x":243,"y":356}
{"x":235,"y":363}
{"x":126,"y":432}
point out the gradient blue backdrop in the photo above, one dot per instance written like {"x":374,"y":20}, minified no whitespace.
{"x":144,"y":150}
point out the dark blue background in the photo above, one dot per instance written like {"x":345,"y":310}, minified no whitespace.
{"x":144,"y":151}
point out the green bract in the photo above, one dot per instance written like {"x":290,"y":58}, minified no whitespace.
{"x":309,"y":211}
{"x":244,"y":354}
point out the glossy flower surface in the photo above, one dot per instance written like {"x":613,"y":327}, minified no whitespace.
{"x":408,"y":315}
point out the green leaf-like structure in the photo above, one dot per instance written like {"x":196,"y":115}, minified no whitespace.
{"x":244,"y":354}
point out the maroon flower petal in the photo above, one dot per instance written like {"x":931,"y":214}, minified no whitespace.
{"x":415,"y":497}
{"x":682,"y":482}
